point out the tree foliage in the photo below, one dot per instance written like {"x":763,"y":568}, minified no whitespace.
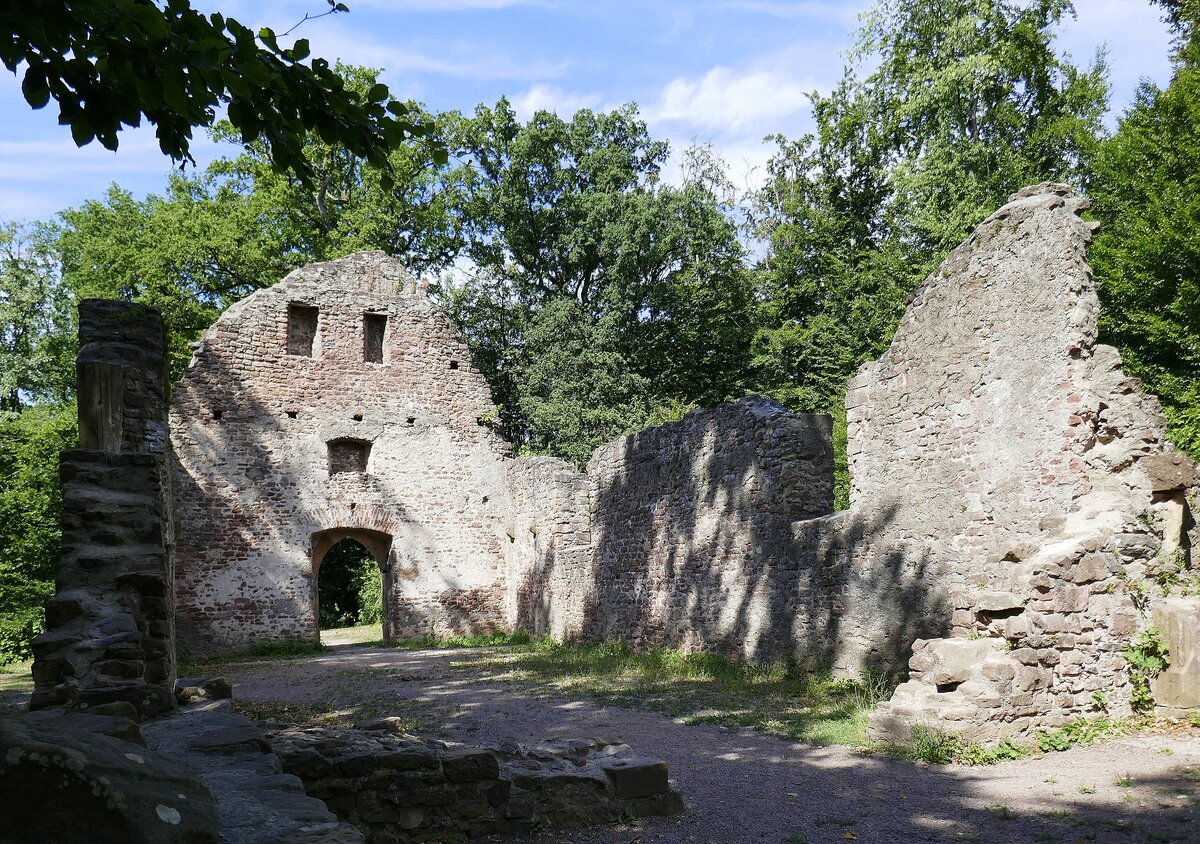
{"x":965,"y":101}
{"x":1146,"y":191}
{"x":36,"y":338}
{"x":30,"y":510}
{"x":571,"y":233}
{"x":109,"y":64}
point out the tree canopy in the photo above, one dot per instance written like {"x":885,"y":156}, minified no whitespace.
{"x":110,"y":64}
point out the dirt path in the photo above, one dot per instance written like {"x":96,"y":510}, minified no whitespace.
{"x":742,"y":786}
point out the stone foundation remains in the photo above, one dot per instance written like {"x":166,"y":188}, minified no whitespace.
{"x":400,"y":788}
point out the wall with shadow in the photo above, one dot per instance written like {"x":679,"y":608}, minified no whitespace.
{"x":256,"y":482}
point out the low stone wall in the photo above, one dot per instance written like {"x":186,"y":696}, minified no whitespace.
{"x":399,"y":788}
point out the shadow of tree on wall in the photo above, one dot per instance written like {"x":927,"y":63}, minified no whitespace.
{"x":706,"y":553}
{"x":254,"y":513}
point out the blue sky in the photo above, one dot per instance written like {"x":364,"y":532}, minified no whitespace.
{"x":721,"y":71}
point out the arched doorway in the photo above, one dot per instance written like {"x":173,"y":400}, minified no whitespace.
{"x":351,"y":578}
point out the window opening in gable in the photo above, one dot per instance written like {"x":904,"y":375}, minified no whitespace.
{"x":302,"y":329}
{"x":374,"y":328}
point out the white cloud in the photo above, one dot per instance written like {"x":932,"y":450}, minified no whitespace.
{"x":351,"y":48}
{"x":732,"y":100}
{"x":553,"y":98}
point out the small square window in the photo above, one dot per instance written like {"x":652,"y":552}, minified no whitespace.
{"x":302,"y":329}
{"x":374,"y":328}
{"x":348,"y":456}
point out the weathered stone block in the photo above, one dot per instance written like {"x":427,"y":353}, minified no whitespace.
{"x":637,"y":776}
{"x":469,"y":764}
{"x":1169,"y":471}
{"x":1177,"y":690}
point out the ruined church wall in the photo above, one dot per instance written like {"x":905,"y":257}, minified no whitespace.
{"x":692,"y":526}
{"x":1009,"y":462}
{"x":251,"y":423}
{"x":549,"y":546}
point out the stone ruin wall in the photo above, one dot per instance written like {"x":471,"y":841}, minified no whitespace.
{"x":258,"y":500}
{"x":1008,"y":481}
{"x":692,"y":523}
{"x":1022,"y":469}
{"x":549,"y":550}
{"x":109,"y":639}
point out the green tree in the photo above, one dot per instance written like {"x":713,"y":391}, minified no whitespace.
{"x":1146,"y":193}
{"x":30,"y":511}
{"x":578,"y":390}
{"x":214,"y":237}
{"x":36,"y":341}
{"x":559,"y":211}
{"x":110,"y":64}
{"x":944,"y":110}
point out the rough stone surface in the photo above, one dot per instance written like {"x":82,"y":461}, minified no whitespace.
{"x":256,"y":802}
{"x":109,"y":637}
{"x":286,"y":444}
{"x":1009,"y":483}
{"x":1013,"y":467}
{"x":1177,"y":690}
{"x":60,"y":784}
{"x":692,"y":524}
{"x":400,"y":788}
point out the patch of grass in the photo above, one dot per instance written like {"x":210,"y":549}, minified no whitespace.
{"x":1084,"y":732}
{"x":15,"y":677}
{"x":285,"y":649}
{"x":15,"y":683}
{"x":1057,"y":815}
{"x":1087,"y":789}
{"x":479,"y":640}
{"x":325,"y":714}
{"x":1125,"y":781}
{"x":697,"y":688}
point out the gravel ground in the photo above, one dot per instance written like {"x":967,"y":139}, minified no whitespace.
{"x":742,"y":786}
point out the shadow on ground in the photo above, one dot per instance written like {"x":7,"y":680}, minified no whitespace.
{"x":742,"y":786}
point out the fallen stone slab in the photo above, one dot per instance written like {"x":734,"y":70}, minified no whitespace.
{"x":59,"y":784}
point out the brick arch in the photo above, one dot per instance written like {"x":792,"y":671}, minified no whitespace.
{"x":378,"y":545}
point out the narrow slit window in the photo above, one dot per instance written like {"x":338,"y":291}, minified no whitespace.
{"x":348,"y":456}
{"x":374,"y":328}
{"x":302,"y":329}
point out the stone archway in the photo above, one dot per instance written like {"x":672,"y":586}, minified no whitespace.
{"x":378,"y":545}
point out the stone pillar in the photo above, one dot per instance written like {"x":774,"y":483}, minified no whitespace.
{"x":109,"y":639}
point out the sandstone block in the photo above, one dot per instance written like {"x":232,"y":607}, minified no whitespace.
{"x":1169,"y":471}
{"x":637,"y":776}
{"x":1178,"y":688}
{"x":62,"y":785}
